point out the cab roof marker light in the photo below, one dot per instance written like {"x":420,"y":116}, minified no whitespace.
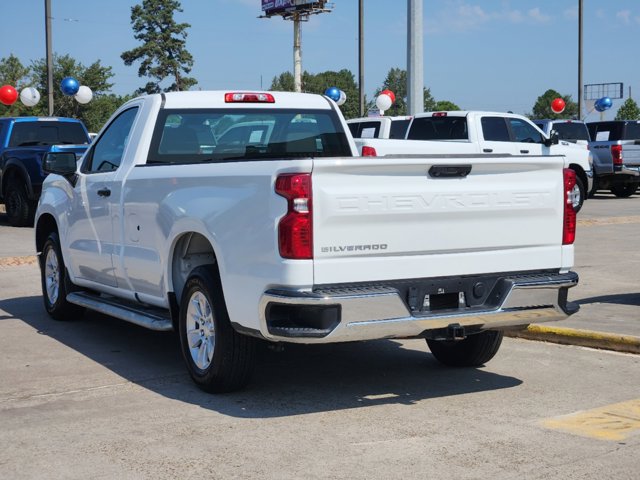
{"x":240,"y":97}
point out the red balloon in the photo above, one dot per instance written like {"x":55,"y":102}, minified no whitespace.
{"x":558,"y":105}
{"x":391,"y":95}
{"x":8,"y":95}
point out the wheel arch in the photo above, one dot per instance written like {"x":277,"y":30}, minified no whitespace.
{"x":189,"y":251}
{"x":14,"y":168}
{"x":45,"y":225}
{"x":580,"y":173}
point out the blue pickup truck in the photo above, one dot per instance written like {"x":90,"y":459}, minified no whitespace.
{"x":23,"y":143}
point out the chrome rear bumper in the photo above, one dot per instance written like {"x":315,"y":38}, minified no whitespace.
{"x":378,"y":312}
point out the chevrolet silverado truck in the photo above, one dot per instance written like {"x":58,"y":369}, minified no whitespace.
{"x":616,"y":156}
{"x":233,"y":217}
{"x":485,"y":133}
{"x":23,"y":143}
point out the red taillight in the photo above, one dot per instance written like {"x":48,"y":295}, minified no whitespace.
{"x":439,"y":114}
{"x":249,"y":98}
{"x":569,"y":224}
{"x":616,"y":154}
{"x":295,"y":231}
{"x":369,"y":152}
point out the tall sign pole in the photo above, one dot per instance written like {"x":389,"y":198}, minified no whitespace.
{"x":297,"y":54}
{"x":580,"y":116}
{"x":415,"y":59}
{"x":47,"y":13}
{"x":361,"y":54}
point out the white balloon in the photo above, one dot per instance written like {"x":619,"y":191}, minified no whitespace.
{"x":29,"y":96}
{"x":342,"y":99}
{"x":84,"y":94}
{"x":383,"y":102}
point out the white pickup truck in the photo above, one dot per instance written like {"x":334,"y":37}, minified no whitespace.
{"x":485,"y":132}
{"x":236,"y":216}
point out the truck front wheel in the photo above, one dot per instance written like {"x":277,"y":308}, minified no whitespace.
{"x":218,"y":358}
{"x":55,"y":284}
{"x":473,"y":351}
{"x":19,"y":207}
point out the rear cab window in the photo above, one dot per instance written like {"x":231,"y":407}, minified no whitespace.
{"x":571,"y":131}
{"x":45,"y":133}
{"x":399,"y":128}
{"x":438,"y":128}
{"x":365,"y":129}
{"x":222,"y":135}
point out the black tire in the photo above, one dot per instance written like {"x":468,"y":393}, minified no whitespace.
{"x":19,"y":208}
{"x":55,"y":282}
{"x":473,"y":351}
{"x":594,"y":186}
{"x":581,"y":191}
{"x":226,"y":357}
{"x":624,"y":190}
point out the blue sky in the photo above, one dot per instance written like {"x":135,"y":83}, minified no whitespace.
{"x":481,"y":54}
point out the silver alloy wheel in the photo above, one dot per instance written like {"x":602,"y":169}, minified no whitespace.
{"x":574,"y":196}
{"x":201,"y":334}
{"x":52,"y":276}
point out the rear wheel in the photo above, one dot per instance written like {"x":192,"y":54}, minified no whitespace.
{"x":55,"y":283}
{"x":473,"y":351}
{"x":218,"y":358}
{"x":19,"y":207}
{"x":625,"y":190}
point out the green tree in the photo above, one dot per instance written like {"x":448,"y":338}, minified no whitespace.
{"x":318,"y":83}
{"x":163,"y":52}
{"x":14,"y":73}
{"x":628,"y":110}
{"x":542,"y":107}
{"x":445,"y":106}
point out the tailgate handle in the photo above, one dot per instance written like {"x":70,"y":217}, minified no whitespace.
{"x":449,"y":171}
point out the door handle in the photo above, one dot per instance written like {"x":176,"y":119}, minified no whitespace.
{"x":104,"y":192}
{"x":449,"y":171}
{"x":524,"y":151}
{"x":487,"y":150}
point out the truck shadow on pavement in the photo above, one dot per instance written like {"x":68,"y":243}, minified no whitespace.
{"x":297,"y":380}
{"x":632,"y":299}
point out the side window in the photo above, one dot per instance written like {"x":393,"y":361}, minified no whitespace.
{"x":494,"y":129}
{"x":524,"y":131}
{"x":107,"y":153}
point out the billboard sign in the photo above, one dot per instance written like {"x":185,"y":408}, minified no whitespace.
{"x":277,"y":6}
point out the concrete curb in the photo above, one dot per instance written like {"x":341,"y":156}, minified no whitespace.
{"x":583,"y":338}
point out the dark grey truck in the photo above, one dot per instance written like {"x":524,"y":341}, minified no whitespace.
{"x":615,"y":146}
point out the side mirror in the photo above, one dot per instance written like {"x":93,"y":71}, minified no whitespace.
{"x":61,"y":163}
{"x":553,"y":139}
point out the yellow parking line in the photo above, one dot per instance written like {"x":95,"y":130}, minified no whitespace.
{"x":614,"y":422}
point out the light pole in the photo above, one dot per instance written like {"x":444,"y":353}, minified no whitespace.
{"x":580,"y":59}
{"x":361,"y":54}
{"x":415,"y":60}
{"x":47,"y":13}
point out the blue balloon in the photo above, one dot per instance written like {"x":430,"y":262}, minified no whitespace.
{"x":606,"y":103}
{"x":333,"y":93}
{"x":598,"y":106}
{"x":69,"y":86}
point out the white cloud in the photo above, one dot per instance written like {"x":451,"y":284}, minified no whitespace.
{"x":624,"y":15}
{"x":537,"y":16}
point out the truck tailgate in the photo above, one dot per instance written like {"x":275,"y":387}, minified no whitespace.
{"x":631,"y":153}
{"x":389,"y":218}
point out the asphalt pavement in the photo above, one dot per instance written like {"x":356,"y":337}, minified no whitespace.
{"x":607,"y":258}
